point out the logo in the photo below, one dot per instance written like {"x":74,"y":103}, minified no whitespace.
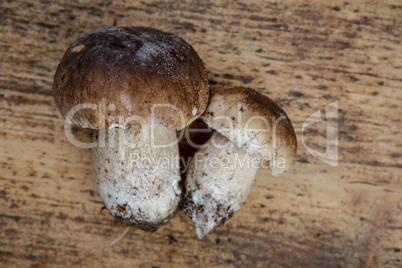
{"x":330,"y":156}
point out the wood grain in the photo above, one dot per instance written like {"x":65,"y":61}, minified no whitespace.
{"x":302,"y":54}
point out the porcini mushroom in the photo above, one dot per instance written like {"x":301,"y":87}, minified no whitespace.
{"x":145,"y":84}
{"x":251,"y":129}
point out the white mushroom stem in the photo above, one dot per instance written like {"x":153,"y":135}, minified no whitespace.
{"x":218,"y":181}
{"x":136,"y":177}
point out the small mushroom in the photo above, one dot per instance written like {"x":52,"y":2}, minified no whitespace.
{"x":136,"y":87}
{"x":251,"y":129}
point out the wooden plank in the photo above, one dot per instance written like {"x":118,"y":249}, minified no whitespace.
{"x":303,"y":54}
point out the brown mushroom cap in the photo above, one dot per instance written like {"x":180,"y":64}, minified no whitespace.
{"x":253,"y":122}
{"x":128,"y":70}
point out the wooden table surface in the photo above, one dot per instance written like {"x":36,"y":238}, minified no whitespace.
{"x":303,"y":54}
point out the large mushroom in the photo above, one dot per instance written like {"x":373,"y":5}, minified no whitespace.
{"x":136,"y":86}
{"x":251,"y":130}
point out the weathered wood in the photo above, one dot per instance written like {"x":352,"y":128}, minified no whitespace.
{"x":303,"y":54}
